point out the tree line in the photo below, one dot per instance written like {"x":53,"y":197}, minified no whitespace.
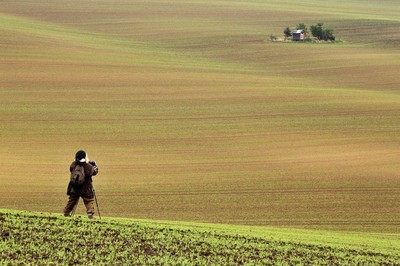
{"x":318,"y":31}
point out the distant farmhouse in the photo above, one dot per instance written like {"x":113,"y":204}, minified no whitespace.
{"x":297,"y":35}
{"x":300,"y":34}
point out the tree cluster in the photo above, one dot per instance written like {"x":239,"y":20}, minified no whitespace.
{"x":318,"y":31}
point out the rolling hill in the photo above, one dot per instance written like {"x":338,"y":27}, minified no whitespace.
{"x":193,"y":115}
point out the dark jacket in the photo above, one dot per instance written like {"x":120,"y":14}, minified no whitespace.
{"x":86,"y":190}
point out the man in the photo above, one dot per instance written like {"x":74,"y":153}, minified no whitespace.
{"x":85,"y":190}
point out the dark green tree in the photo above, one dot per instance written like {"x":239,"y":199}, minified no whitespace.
{"x":327,"y":34}
{"x":287,"y":32}
{"x":319,"y":32}
{"x":316,"y":30}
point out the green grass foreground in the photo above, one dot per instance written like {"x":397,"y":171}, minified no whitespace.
{"x":42,"y":238}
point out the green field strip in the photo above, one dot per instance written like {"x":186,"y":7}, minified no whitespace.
{"x":153,"y":242}
{"x":380,"y":242}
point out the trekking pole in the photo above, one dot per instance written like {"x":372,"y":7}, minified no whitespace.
{"x":74,"y":208}
{"x":95,"y":198}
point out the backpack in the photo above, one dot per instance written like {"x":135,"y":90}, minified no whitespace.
{"x":77,"y":176}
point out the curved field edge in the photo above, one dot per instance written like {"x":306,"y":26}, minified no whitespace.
{"x":43,"y":238}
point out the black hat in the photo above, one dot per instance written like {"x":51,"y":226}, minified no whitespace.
{"x":80,"y":156}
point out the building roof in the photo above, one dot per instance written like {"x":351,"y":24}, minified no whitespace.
{"x":297,"y":31}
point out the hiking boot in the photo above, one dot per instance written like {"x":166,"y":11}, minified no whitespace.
{"x":67,"y":214}
{"x":91,"y":216}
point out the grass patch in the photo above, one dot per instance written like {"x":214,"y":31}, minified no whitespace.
{"x":44,"y":239}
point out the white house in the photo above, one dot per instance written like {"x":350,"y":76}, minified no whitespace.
{"x":297,"y":35}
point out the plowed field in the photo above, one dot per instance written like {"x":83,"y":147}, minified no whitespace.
{"x":192,"y":114}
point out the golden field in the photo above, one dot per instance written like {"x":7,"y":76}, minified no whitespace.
{"x":192,"y":114}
